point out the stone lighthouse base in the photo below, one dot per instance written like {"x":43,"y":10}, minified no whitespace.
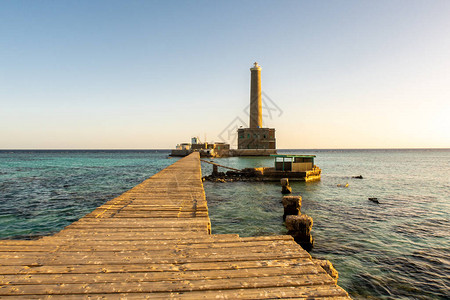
{"x":252,"y":152}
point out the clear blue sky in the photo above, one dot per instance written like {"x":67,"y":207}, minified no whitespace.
{"x":151,"y":74}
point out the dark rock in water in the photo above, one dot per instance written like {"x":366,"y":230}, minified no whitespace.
{"x":375,"y":200}
{"x":285,"y":187}
{"x":232,"y":173}
{"x":286,"y":190}
{"x":358,"y":177}
{"x":231,"y":176}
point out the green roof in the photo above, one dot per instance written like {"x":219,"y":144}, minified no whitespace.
{"x":292,"y":155}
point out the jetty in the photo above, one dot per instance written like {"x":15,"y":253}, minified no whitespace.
{"x":292,"y":167}
{"x":154,"y":241}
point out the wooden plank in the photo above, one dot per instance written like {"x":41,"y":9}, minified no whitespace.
{"x":131,"y":230}
{"x":7,"y":257}
{"x":175,"y":221}
{"x":149,"y":267}
{"x":155,"y":276}
{"x":132,"y":246}
{"x":92,"y":253}
{"x":51,"y":259}
{"x":52,"y":240}
{"x":303,"y":292}
{"x":167,"y":286}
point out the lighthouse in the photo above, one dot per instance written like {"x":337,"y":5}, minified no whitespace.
{"x":255,"y":97}
{"x":256,"y":140}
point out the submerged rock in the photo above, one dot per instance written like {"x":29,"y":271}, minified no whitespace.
{"x":286,"y":190}
{"x":374,"y":200}
{"x":285,"y":187}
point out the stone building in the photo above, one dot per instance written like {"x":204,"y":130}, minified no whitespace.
{"x":256,"y":138}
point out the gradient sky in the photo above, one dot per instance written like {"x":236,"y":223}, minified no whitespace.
{"x":151,"y":74}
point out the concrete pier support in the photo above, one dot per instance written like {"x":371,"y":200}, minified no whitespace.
{"x":255,"y":97}
{"x":299,"y":227}
{"x":292,"y":205}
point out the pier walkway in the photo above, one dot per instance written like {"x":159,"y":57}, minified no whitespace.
{"x":154,"y":241}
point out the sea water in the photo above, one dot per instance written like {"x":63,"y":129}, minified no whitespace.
{"x":399,"y":248}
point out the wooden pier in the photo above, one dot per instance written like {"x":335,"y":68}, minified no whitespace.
{"x":154,"y":241}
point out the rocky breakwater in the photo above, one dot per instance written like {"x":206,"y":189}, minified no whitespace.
{"x":248,"y":174}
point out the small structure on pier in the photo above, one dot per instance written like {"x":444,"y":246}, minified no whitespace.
{"x":294,"y":167}
{"x":295,"y":163}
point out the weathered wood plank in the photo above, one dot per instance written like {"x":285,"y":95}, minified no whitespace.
{"x":138,"y":247}
{"x":303,"y":292}
{"x":53,"y":240}
{"x":149,"y":267}
{"x":134,"y":246}
{"x":55,"y":259}
{"x":156,"y":276}
{"x":279,"y":249}
{"x":167,"y":286}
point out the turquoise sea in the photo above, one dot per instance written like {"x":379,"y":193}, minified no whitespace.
{"x":398,"y":249}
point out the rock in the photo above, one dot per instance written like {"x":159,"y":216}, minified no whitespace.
{"x":328,"y":267}
{"x":286,"y":190}
{"x":375,"y":200}
{"x":285,"y":187}
{"x":358,"y":177}
{"x":292,"y":205}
